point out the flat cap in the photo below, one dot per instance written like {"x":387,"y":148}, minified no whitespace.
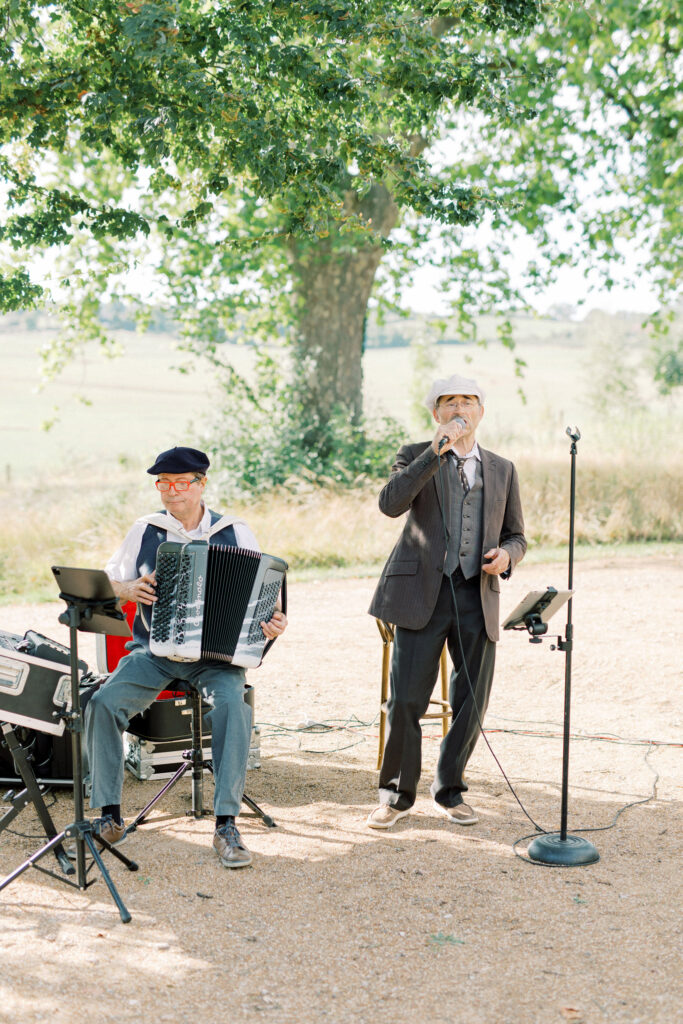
{"x":181,"y":460}
{"x":455,"y":385}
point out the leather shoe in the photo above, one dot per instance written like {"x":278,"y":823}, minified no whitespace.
{"x":113,"y":832}
{"x":461,"y":814}
{"x":385,"y":816}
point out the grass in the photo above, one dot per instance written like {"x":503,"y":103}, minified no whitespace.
{"x":80,"y":520}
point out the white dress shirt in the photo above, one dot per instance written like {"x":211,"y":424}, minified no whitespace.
{"x":469,"y":465}
{"x":122,"y":566}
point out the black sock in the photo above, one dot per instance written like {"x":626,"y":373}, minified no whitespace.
{"x":114,"y":810}
{"x":224,"y":819}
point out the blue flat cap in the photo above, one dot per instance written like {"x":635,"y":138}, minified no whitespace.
{"x":181,"y":460}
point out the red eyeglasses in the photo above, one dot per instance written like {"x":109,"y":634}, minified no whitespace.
{"x":175,"y":485}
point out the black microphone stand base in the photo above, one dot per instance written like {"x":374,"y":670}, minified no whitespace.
{"x":570,"y":851}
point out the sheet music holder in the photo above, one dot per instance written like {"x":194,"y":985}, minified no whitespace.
{"x":92,"y":593}
{"x":92,"y":607}
{"x":536,"y":609}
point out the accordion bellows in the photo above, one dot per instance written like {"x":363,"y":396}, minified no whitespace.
{"x":211,"y":601}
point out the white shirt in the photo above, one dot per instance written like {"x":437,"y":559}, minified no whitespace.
{"x":469,"y":465}
{"x":122,"y":566}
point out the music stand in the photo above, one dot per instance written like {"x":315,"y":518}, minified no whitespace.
{"x":535,"y":610}
{"x":92,"y":607}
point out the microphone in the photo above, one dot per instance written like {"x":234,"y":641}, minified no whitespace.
{"x":456,"y":419}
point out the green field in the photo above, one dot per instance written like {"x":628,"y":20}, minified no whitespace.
{"x":72,"y":491}
{"x":103,"y":409}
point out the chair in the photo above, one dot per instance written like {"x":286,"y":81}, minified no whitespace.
{"x":110,"y":651}
{"x":386,"y":631}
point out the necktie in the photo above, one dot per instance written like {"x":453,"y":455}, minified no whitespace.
{"x":461,"y":473}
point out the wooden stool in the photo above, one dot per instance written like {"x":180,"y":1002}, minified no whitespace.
{"x":387,"y":633}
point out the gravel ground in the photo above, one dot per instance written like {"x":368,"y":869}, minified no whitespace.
{"x":430,"y":921}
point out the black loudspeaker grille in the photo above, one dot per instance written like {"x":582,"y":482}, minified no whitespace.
{"x":230,"y":578}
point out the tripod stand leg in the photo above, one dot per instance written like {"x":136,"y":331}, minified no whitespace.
{"x":266,"y":818}
{"x":115,"y":852}
{"x":139,"y":820}
{"x":125,"y":916}
{"x":32,"y":861}
{"x":31,"y":794}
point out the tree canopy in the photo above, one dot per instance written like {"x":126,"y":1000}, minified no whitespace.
{"x":293,"y":103}
{"x":272,"y":167}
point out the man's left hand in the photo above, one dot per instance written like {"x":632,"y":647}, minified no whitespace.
{"x":498,"y":560}
{"x":276,"y":626}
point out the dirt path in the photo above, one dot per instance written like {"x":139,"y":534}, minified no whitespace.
{"x":430,"y":921}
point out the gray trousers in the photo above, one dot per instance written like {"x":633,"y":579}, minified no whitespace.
{"x":414,"y":668}
{"x":133,"y":686}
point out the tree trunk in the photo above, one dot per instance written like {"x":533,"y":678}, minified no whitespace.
{"x":333,"y":279}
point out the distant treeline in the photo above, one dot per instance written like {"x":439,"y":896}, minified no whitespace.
{"x":560,"y":323}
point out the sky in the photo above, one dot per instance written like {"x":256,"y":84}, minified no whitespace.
{"x":573,"y":287}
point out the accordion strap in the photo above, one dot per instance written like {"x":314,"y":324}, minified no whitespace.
{"x":161,"y":519}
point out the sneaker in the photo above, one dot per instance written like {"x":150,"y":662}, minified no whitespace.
{"x":461,"y":814}
{"x":227,"y":842}
{"x":113,"y":832}
{"x":385,"y":816}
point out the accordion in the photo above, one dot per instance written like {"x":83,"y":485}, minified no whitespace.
{"x":211,"y":601}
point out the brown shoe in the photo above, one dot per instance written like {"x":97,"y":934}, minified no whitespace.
{"x":113,"y":832}
{"x":385,"y":816}
{"x":461,"y":814}
{"x":227,"y":842}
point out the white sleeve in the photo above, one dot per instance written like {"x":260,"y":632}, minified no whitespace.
{"x":122,"y":566}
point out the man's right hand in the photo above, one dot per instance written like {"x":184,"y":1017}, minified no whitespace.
{"x":141,"y":590}
{"x":451,"y":431}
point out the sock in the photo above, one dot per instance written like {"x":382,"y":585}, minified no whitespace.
{"x":224,"y":819}
{"x":114,"y":810}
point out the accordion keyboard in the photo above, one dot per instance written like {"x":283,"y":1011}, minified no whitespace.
{"x":263,"y":611}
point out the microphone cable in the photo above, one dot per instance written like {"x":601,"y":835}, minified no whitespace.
{"x":541,"y":831}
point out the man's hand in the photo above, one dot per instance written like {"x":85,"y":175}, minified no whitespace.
{"x":276,"y":626}
{"x":498,"y":561}
{"x":141,"y":590}
{"x":451,"y":431}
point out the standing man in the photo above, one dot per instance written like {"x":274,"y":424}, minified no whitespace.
{"x":181,"y":479}
{"x":441,"y":584}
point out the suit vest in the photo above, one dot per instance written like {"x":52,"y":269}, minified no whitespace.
{"x":464,"y":519}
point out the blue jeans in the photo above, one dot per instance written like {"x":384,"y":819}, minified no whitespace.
{"x":133,"y":686}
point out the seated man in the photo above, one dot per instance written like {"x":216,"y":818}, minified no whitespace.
{"x":134,"y":685}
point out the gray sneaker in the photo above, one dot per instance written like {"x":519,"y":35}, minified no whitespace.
{"x":227,"y":842}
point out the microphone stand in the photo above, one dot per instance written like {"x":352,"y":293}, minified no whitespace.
{"x":553,"y":847}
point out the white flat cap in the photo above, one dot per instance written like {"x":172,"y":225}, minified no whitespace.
{"x":455,"y":385}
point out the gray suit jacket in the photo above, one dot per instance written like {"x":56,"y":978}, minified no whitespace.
{"x":409,"y":585}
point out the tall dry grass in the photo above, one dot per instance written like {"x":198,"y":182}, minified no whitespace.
{"x":80,"y":518}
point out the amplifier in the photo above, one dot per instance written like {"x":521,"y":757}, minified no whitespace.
{"x":50,"y":758}
{"x":35,"y":681}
